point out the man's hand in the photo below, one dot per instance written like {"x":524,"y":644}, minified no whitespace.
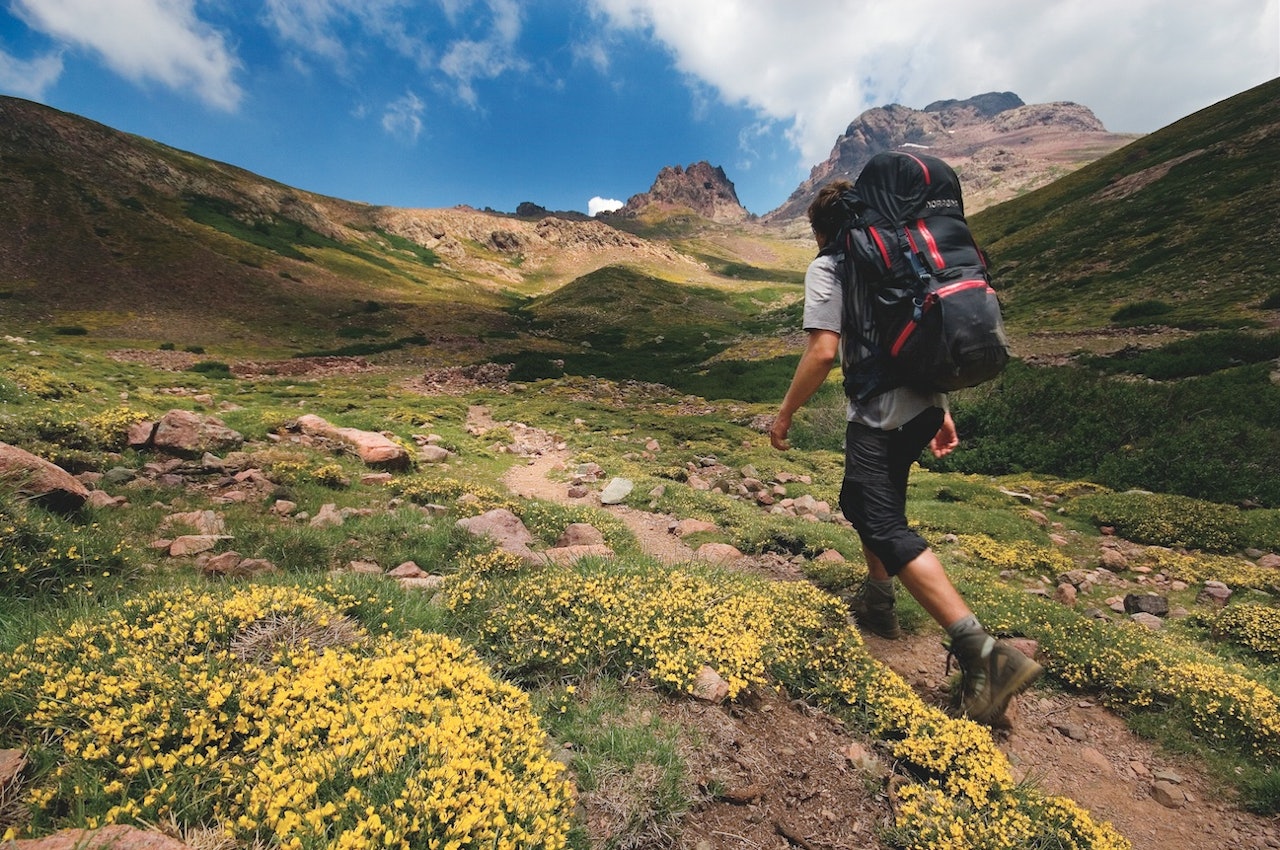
{"x":946,"y":439}
{"x":778,"y":431}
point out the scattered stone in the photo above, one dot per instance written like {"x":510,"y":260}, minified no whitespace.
{"x":41,"y":481}
{"x":502,"y":527}
{"x":708,"y":686}
{"x":685,"y":527}
{"x":191,"y":435}
{"x":103,"y":499}
{"x":1095,"y":759}
{"x":433,"y":454}
{"x":407,"y":570}
{"x":426,"y":582}
{"x":1269,"y":561}
{"x":194,"y":544}
{"x":118,"y":476}
{"x":1146,"y":603}
{"x":1074,"y":731}
{"x":580,"y":534}
{"x":328,"y":515}
{"x":115,"y":837}
{"x":376,"y":479}
{"x":1065,"y":594}
{"x":11,"y":764}
{"x":616,"y":491}
{"x":1214,"y":593}
{"x":1113,"y":559}
{"x":284,"y":507}
{"x":204,"y":522}
{"x":569,"y":554}
{"x":1168,"y":795}
{"x":717,"y":553}
{"x":364,"y":567}
{"x":742,"y":796}
{"x":1150,"y":621}
{"x":578,"y":491}
{"x":375,"y":449}
{"x":830,"y":556}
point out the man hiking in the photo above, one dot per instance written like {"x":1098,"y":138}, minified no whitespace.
{"x":884,"y":436}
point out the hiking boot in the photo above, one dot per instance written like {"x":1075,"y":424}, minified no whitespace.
{"x":992,"y":673}
{"x":873,"y":609}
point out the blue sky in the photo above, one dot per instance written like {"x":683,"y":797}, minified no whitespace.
{"x":433,"y":103}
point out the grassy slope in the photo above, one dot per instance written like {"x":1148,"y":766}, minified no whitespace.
{"x":1185,"y":216}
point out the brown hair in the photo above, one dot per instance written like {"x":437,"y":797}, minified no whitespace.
{"x":825,"y":213}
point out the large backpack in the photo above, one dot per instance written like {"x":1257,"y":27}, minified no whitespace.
{"x":936,"y":322}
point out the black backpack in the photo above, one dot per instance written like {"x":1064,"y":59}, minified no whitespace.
{"x":936,"y":320}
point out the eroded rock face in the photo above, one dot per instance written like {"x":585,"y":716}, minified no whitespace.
{"x":702,"y":187}
{"x":40,"y":480}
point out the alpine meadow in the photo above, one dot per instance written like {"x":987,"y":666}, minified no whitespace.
{"x":325,"y":524}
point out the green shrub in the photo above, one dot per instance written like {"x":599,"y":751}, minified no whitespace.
{"x":1075,"y":424}
{"x":1202,"y":354}
{"x":1165,"y":520}
{"x":1272,"y":302}
{"x":1139,"y":312}
{"x":212,"y":368}
{"x":71,"y":330}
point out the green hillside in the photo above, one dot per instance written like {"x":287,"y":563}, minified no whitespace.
{"x":1180,"y":228}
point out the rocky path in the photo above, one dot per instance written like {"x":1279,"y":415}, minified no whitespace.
{"x":1066,"y":744}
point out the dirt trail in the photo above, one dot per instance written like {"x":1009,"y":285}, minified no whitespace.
{"x":1066,"y":744}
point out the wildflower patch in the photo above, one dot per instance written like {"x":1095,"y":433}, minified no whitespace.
{"x":349,"y":742}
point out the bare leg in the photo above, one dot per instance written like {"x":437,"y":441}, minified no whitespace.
{"x":927,"y":582}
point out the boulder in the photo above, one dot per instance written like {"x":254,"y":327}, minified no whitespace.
{"x":580,"y":534}
{"x":375,"y":449}
{"x":41,"y":481}
{"x":717,"y":553}
{"x":502,"y":527}
{"x":192,"y":435}
{"x":616,"y":491}
{"x":1146,"y":603}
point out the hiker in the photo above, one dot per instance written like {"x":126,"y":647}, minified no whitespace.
{"x":884,"y":436}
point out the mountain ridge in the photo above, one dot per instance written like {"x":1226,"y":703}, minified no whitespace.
{"x":1000,"y":146}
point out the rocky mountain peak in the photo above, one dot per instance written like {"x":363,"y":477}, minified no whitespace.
{"x":702,"y":188}
{"x":1000,"y":146}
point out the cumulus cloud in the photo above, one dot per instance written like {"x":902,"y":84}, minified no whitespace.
{"x":599,"y":205}
{"x":816,"y":66}
{"x":29,"y":77}
{"x":403,"y":117}
{"x":161,"y":41}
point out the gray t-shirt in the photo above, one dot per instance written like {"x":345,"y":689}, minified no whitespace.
{"x":823,"y":309}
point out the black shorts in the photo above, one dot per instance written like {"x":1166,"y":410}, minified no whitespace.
{"x":874,"y":494}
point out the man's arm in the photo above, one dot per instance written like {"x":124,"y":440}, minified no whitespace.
{"x":812,"y":370}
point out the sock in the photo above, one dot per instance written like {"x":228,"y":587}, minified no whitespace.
{"x":964,"y":627}
{"x":883,"y":588}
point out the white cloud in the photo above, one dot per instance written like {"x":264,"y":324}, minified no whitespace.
{"x":403,"y":117}
{"x":29,"y":78}
{"x":459,"y":41}
{"x":817,"y":65}
{"x":599,"y":205}
{"x":160,"y":41}
{"x":329,"y":29}
{"x":467,"y":60}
